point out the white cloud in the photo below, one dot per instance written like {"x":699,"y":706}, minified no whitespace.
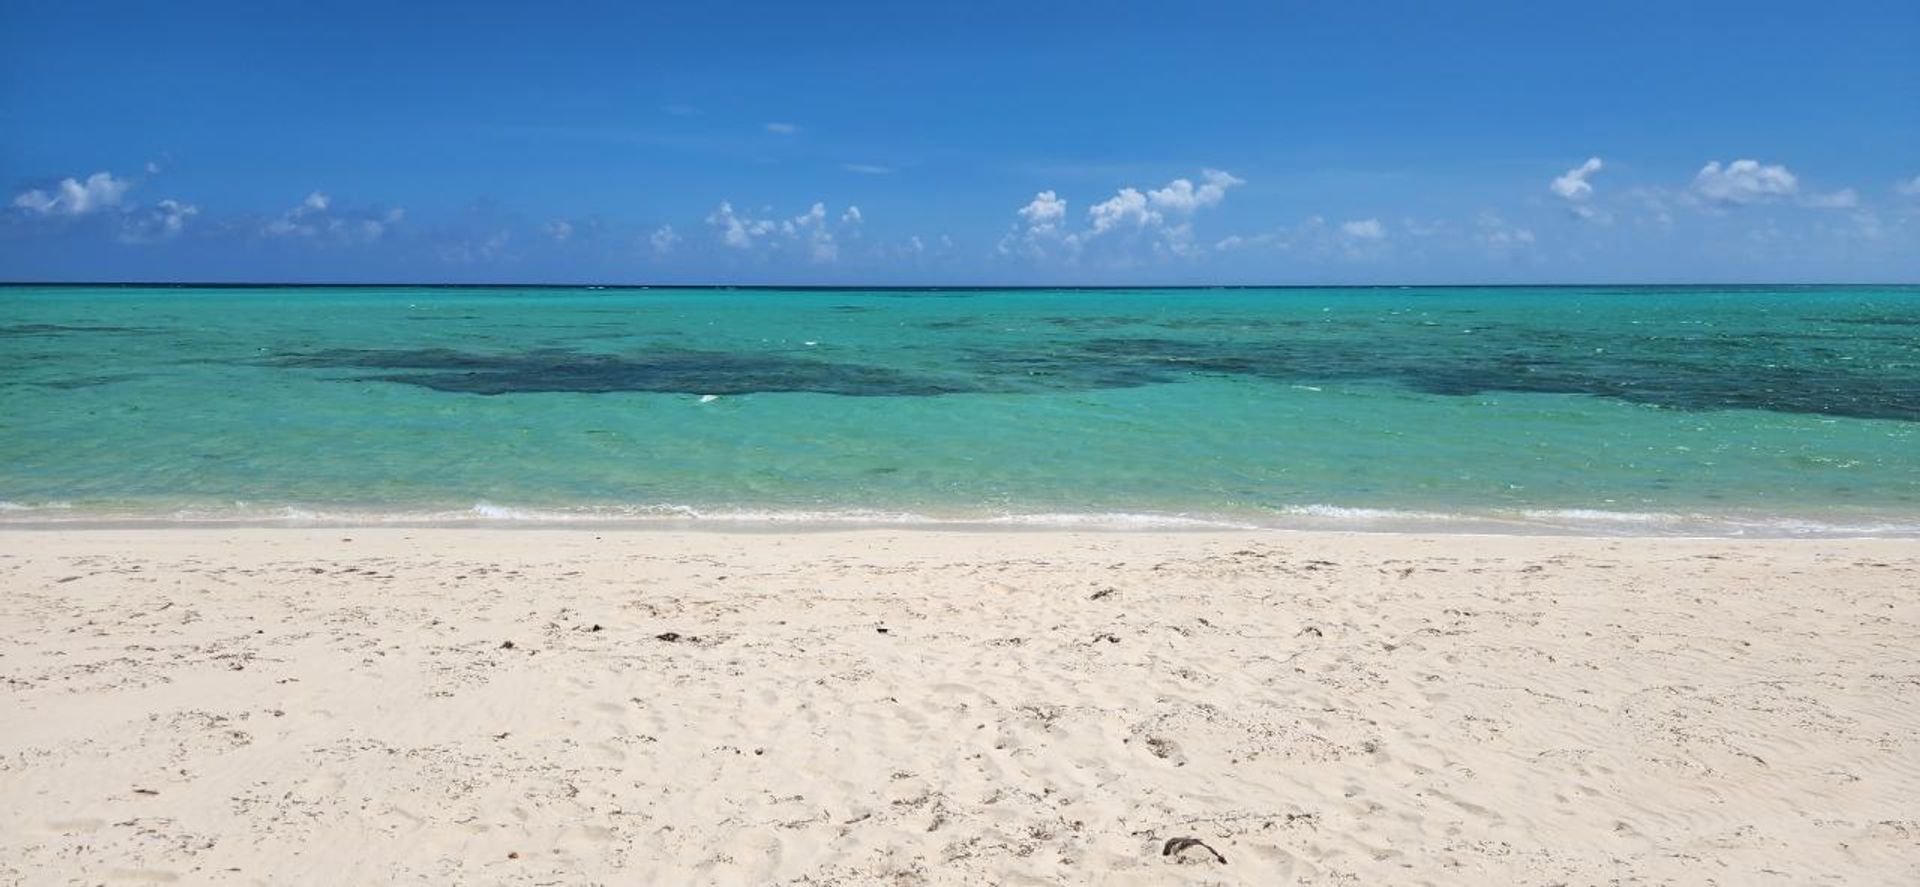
{"x":782,"y":129}
{"x":1044,"y":217}
{"x":738,"y":231}
{"x":1180,"y":195}
{"x":809,"y":230}
{"x":315,"y":219}
{"x":663,"y":240}
{"x":1364,"y":229}
{"x":72,"y":197}
{"x":1127,"y":207}
{"x":559,"y":229}
{"x":1845,"y":198}
{"x":1743,"y":182}
{"x":162,"y":221}
{"x":814,"y":215}
{"x":1574,"y":187}
{"x":870,"y":169}
{"x":1047,"y":210}
{"x":1160,"y":216}
{"x":1573,"y":184}
{"x":1909,"y":188}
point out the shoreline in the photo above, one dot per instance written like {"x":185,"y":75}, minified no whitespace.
{"x":240,"y":706}
{"x":1818,"y":524}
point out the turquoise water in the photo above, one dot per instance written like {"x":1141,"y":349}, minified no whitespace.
{"x":1752,"y":409}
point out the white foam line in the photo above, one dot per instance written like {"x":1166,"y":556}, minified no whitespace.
{"x":1293,"y":517}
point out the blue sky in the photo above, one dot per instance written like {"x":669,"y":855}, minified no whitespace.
{"x":961,"y":143}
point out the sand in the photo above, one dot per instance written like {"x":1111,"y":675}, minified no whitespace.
{"x":476,"y":706}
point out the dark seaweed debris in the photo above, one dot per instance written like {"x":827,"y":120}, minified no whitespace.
{"x":1177,"y":845}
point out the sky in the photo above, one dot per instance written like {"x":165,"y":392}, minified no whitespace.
{"x":953,"y":143}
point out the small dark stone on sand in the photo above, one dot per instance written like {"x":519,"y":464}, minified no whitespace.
{"x":145,"y":791}
{"x":668,"y":636}
{"x":514,"y":855}
{"x":596,"y":627}
{"x":1102,"y":593}
{"x":506,"y":645}
{"x":881,"y":630}
{"x":1312,"y":631}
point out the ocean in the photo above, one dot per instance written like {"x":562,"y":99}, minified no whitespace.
{"x":1753,"y":410}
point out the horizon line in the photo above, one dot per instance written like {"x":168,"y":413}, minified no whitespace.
{"x":834,"y":287}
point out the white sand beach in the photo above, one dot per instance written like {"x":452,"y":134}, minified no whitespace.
{"x":479,"y":706}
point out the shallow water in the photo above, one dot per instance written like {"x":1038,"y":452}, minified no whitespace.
{"x":1744,"y":410}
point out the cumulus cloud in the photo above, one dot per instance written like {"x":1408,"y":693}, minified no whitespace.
{"x":1573,"y":184}
{"x":1128,"y":207}
{"x":782,"y":129}
{"x":315,"y":219}
{"x":73,"y":197}
{"x":1364,"y":229}
{"x":811,"y":228}
{"x":738,"y":231}
{"x":103,"y":195}
{"x":1180,"y":195}
{"x":809,"y":231}
{"x":1908,"y":188}
{"x":161,"y":221}
{"x":1744,"y":182}
{"x":1046,"y":210}
{"x":1574,"y":187}
{"x":559,"y":229}
{"x":1160,"y":216}
{"x":663,"y":240}
{"x":1041,"y":226}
